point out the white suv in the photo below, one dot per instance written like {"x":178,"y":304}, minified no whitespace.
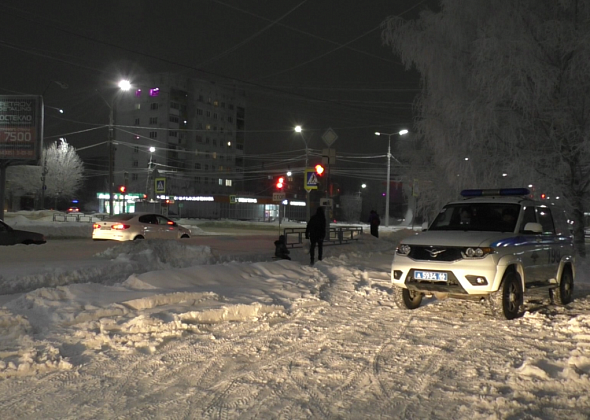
{"x":493,"y":245}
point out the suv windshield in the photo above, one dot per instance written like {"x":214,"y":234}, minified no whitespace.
{"x":494,"y":217}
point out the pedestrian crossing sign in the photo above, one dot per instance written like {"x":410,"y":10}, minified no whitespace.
{"x":311,"y":180}
{"x":160,"y":185}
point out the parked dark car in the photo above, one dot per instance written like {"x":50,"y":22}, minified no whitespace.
{"x":10,"y":236}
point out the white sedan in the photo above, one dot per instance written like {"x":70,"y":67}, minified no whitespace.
{"x":134,"y":226}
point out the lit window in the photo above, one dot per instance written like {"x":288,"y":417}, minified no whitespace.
{"x":228,"y":183}
{"x":138,"y":93}
{"x":154,"y":92}
{"x":220,"y":181}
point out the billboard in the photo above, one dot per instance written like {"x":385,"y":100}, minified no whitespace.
{"x":21,"y":127}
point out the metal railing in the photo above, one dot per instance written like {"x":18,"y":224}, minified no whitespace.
{"x":78,"y":217}
{"x":338,"y":235}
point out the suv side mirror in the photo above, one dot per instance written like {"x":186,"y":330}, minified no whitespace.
{"x":532,"y":227}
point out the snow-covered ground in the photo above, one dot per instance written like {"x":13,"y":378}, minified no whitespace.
{"x":158,"y":329}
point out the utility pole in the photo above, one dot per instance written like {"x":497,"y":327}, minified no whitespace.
{"x":43,"y":178}
{"x":110,"y":152}
{"x":388,"y":182}
{"x":298,"y":129}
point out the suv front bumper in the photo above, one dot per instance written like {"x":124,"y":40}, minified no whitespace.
{"x":477,"y":276}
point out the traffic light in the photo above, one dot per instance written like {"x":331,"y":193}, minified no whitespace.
{"x":123,"y":189}
{"x":280,"y":183}
{"x":543,"y":196}
{"x":319,"y":169}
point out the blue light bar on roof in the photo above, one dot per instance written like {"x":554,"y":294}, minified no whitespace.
{"x":501,"y":191}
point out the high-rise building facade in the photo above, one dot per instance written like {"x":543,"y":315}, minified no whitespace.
{"x":187,"y":131}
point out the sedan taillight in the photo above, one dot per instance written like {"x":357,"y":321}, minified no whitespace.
{"x":120,"y":226}
{"x":96,"y":226}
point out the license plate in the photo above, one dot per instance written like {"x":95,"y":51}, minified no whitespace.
{"x":105,"y":228}
{"x":430,"y":275}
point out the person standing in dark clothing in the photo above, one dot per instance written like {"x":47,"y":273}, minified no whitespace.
{"x":374,"y":222}
{"x":316,"y":232}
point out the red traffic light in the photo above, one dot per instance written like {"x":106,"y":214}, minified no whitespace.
{"x":281,"y":183}
{"x":319,"y":169}
{"x":543,"y":196}
{"x":123,"y":189}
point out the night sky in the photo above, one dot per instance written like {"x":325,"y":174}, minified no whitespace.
{"x":315,"y":63}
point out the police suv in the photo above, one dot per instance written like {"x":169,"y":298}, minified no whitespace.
{"x":493,"y":245}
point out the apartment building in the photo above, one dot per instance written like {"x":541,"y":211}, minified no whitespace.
{"x":183,"y":129}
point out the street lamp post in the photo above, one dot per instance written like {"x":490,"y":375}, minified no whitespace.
{"x":148,"y":185}
{"x":298,"y":129}
{"x":400,"y":133}
{"x":124,"y":85}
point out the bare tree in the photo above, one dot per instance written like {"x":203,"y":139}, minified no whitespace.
{"x":505,"y":85}
{"x":63,"y":173}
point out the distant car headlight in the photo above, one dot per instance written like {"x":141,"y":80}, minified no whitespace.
{"x":403,"y":249}
{"x":477,"y":252}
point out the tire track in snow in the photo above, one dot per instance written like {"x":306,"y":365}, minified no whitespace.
{"x":390,"y":362}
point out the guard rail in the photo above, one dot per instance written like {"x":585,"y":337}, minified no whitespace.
{"x":337,"y":236}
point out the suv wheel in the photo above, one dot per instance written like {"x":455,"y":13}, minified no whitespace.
{"x":562,"y":295}
{"x":406,"y":299}
{"x":508,"y":300}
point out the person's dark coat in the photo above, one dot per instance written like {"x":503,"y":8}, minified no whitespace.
{"x":316,"y":227}
{"x":374,"y":223}
{"x":316,"y":232}
{"x":281,"y":250}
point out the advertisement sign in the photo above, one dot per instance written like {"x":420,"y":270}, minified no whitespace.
{"x":21,"y":127}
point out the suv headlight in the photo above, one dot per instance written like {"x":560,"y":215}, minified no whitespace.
{"x":403,"y":249}
{"x":477,"y":252}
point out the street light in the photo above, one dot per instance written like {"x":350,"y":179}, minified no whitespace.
{"x":148,"y":188}
{"x":298,"y":129}
{"x":124,"y":85}
{"x":400,"y":133}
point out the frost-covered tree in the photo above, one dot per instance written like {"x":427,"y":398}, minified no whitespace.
{"x":63,"y":173}
{"x":505,"y":84}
